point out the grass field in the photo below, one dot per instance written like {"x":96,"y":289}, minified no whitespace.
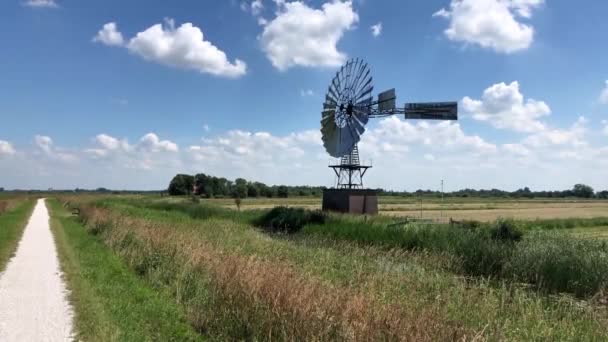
{"x":13,"y":218}
{"x":356,"y":279}
{"x":110,"y":301}
{"x":456,"y":208}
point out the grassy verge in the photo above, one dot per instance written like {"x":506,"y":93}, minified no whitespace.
{"x":552,"y":261}
{"x":12,"y":223}
{"x":239,"y":283}
{"x":111,"y":303}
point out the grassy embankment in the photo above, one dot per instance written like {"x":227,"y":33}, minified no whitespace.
{"x":236,"y":282}
{"x":14,"y":214}
{"x":111,"y":303}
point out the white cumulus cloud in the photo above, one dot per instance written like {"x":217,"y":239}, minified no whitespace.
{"x":376,"y":29}
{"x":504,"y":107}
{"x":109,"y":35}
{"x":41,"y":3}
{"x":6,"y":148}
{"x":303,"y":36}
{"x":492,"y":24}
{"x":152,"y":143}
{"x":183,"y":47}
{"x":46,"y":145}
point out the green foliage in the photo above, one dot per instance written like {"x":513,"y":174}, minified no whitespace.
{"x":289,"y":220}
{"x":558,"y":262}
{"x":181,"y":185}
{"x":567,"y":223}
{"x":253,"y":190}
{"x":550,"y":261}
{"x":111,"y":302}
{"x":583,"y":191}
{"x":240,"y":188}
{"x":505,"y":230}
{"x":12,"y":224}
{"x":282,"y":191}
{"x":194,"y":210}
{"x":418,"y":280}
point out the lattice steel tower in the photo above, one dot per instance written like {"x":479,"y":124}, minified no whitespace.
{"x":350,"y":172}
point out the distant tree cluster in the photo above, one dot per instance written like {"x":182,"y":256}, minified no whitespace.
{"x":219,"y":187}
{"x":578,"y":191}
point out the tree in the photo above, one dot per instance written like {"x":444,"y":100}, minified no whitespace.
{"x":602,"y":194}
{"x":282,"y":191}
{"x":252,"y":190}
{"x":583,"y":191}
{"x":240,"y":188}
{"x":181,"y":185}
{"x":1,"y":189}
{"x":203,"y":185}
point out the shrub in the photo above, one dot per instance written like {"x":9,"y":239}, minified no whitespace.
{"x":289,"y":220}
{"x":505,"y":230}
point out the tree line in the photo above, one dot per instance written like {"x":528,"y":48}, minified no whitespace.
{"x":578,"y":191}
{"x":211,"y":186}
{"x":218,"y":187}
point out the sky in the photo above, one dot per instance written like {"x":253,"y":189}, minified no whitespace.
{"x":126,"y":94}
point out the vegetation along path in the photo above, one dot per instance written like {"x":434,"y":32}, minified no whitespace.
{"x":33,"y":296}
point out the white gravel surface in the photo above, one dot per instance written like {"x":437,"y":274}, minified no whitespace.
{"x":33,"y":297}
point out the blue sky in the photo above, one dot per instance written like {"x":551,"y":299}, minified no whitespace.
{"x":125,"y":94}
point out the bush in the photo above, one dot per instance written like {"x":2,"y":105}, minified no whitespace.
{"x":289,"y":220}
{"x":505,"y":230}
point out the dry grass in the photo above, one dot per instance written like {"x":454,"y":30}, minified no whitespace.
{"x":487,"y":211}
{"x":252,"y":297}
{"x":237,"y":283}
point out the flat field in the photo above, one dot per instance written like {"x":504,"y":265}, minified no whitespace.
{"x":354,"y":278}
{"x":479,"y":209}
{"x":149,"y":268}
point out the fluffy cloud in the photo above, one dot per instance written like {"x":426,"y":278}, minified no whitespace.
{"x":405,"y":155}
{"x":41,"y":3}
{"x":604,"y":95}
{"x":46,"y":145}
{"x":504,"y":107}
{"x":516,"y":149}
{"x":574,"y":136}
{"x":150,"y":142}
{"x":109,"y":35}
{"x":376,"y":29}
{"x":255,"y":7}
{"x":303,"y":36}
{"x":182,"y":47}
{"x":490,"y":23}
{"x":605,"y":123}
{"x":395,"y":135}
{"x":6,"y":148}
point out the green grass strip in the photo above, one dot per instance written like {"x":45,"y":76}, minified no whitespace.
{"x":111,"y":302}
{"x":12,"y":224}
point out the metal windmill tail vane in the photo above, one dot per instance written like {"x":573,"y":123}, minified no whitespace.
{"x":348,"y":106}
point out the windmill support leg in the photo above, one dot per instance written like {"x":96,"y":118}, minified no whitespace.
{"x":349,"y":195}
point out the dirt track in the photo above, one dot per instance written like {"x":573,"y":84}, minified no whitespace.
{"x":33,"y":297}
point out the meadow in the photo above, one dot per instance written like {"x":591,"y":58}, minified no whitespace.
{"x":250,"y":275}
{"x":152,"y":268}
{"x":480,"y":209}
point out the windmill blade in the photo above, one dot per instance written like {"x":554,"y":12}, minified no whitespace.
{"x":362,"y":116}
{"x":432,"y":111}
{"x":346,"y":108}
{"x":366,"y":89}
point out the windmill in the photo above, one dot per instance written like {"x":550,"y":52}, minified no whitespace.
{"x":348,"y":106}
